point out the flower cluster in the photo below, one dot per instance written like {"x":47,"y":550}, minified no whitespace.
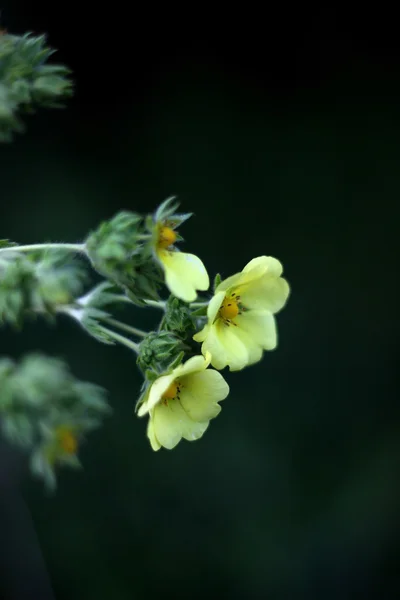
{"x":180,"y":359}
{"x":42,"y":407}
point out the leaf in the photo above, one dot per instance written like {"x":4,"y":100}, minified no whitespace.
{"x":95,"y":330}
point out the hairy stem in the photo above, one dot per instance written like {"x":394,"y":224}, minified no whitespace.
{"x":120,"y":338}
{"x":125,"y":327}
{"x":32,"y":247}
{"x":156,"y":303}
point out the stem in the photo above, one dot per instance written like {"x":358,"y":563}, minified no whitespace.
{"x":120,"y":338}
{"x":31,"y":247}
{"x":125,"y":327}
{"x":199,"y":304}
{"x":156,"y":303}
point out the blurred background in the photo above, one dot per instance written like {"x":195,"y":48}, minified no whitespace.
{"x":281,"y":132}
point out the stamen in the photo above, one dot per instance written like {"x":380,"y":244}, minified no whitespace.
{"x":166,"y":237}
{"x":68,"y":441}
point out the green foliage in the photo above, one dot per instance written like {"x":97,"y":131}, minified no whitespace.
{"x":39,"y":396}
{"x":120,"y":251}
{"x":37,"y":283}
{"x":17,"y":284}
{"x":27,"y":82}
{"x":60,"y":279}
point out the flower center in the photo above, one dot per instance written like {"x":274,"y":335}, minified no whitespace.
{"x":229,"y":308}
{"x":68,"y":441}
{"x":166,"y":237}
{"x":171,"y":392}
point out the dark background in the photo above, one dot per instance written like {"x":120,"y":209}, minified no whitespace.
{"x":281,"y":132}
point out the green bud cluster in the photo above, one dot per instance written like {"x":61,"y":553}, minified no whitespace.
{"x":158,"y":351}
{"x":120,"y":250}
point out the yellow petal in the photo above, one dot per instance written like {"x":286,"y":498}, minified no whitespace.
{"x":225,"y":347}
{"x":254,"y":350}
{"x":267,"y":293}
{"x":214,"y":306}
{"x":201,"y":393}
{"x":264,"y":264}
{"x":255,"y":269}
{"x":212,"y":311}
{"x":156,"y":391}
{"x":155,"y":444}
{"x":194,"y":364}
{"x":171,"y":424}
{"x":229,"y":282}
{"x":201,"y":335}
{"x":184,"y":274}
{"x":259,"y":326}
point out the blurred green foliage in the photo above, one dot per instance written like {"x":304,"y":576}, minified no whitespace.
{"x":293,"y":493}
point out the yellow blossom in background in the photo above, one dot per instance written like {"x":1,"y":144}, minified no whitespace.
{"x":64,"y":445}
{"x":182,"y":403}
{"x":240,"y":323}
{"x":184,"y":273}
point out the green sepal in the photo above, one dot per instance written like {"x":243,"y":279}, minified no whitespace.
{"x":200,"y":312}
{"x":217,"y":281}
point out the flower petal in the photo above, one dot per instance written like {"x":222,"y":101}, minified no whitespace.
{"x":265,"y":264}
{"x":229,"y":282}
{"x":255,"y":269}
{"x":184,"y":274}
{"x":225,"y":347}
{"x":201,"y":392}
{"x":260,"y":326}
{"x":155,"y":444}
{"x":212,"y":311}
{"x":267,"y":293}
{"x":171,"y":424}
{"x":254,"y":350}
{"x":156,"y":391}
{"x":214,"y":306}
{"x":194,"y":364}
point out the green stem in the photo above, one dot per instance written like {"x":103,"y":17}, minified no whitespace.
{"x":199,"y":304}
{"x":156,"y":303}
{"x":32,"y":247}
{"x":125,"y":327}
{"x":121,"y":339}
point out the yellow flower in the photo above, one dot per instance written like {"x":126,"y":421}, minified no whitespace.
{"x":63,"y":446}
{"x":180,"y":404}
{"x":240,"y":315}
{"x":184,"y":273}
